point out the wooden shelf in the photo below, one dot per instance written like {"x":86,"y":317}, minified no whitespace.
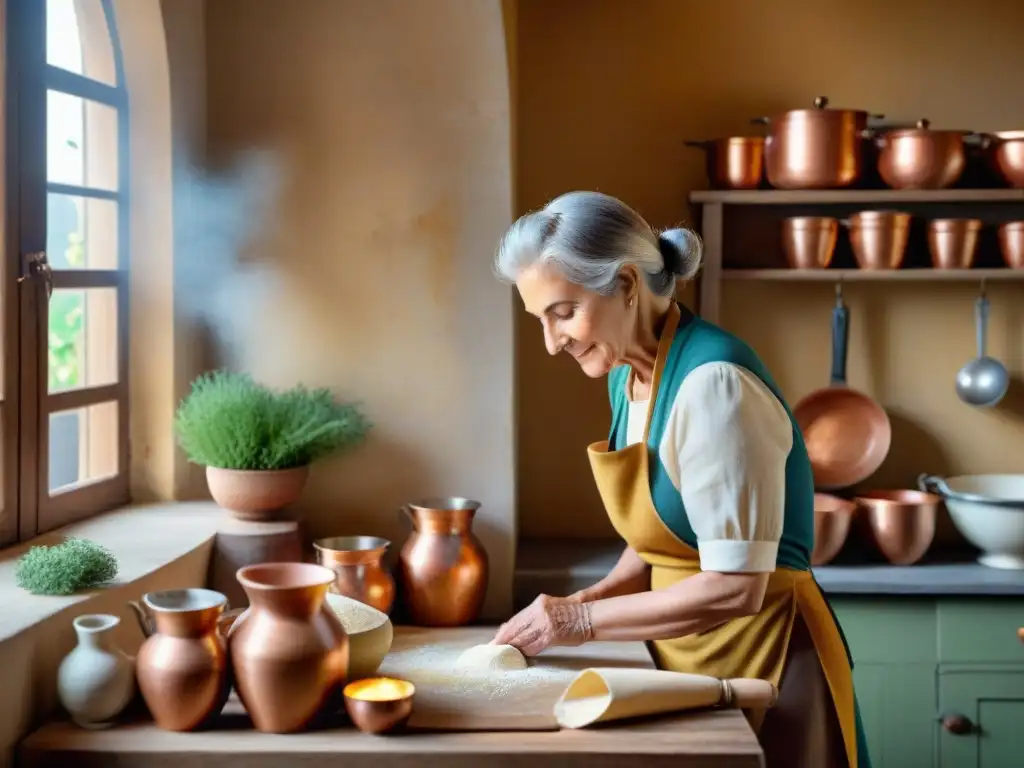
{"x":866,"y":275}
{"x":855,"y":196}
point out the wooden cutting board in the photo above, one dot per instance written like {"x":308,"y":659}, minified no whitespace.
{"x":451,"y":700}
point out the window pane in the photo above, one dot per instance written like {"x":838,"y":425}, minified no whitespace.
{"x":82,"y":338}
{"x":81,"y":142}
{"x":78,"y":39}
{"x":81,"y":232}
{"x":83,"y":446}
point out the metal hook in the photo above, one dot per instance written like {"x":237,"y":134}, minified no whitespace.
{"x":839,"y":292}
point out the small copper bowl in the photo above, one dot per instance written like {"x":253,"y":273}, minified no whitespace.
{"x":379,"y":704}
{"x":1011,"y":243}
{"x":900,"y":523}
{"x":879,"y":238}
{"x":832,"y":516}
{"x":809,"y":241}
{"x":953,"y":242}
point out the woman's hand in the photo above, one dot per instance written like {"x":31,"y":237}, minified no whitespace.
{"x":547,"y":621}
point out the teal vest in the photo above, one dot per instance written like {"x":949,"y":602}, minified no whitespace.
{"x":698,"y":342}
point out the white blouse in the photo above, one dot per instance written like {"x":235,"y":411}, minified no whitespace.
{"x":725,"y":448}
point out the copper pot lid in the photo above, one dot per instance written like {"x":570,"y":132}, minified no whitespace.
{"x":821,"y":109}
{"x":923,"y":127}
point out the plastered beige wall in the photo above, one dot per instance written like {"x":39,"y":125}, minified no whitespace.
{"x":388,"y":124}
{"x":608,"y":91}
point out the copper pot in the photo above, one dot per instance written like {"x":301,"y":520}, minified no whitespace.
{"x":953,"y":243}
{"x":357,"y":562}
{"x":920,"y":158}
{"x":182,"y":667}
{"x":900,"y":523}
{"x":1011,"y":243}
{"x":288,"y":650}
{"x":1006,"y":154}
{"x":817,"y":148}
{"x":443,"y":567}
{"x":832,"y":516}
{"x":809,"y":241}
{"x":735,"y":162}
{"x":879,"y":238}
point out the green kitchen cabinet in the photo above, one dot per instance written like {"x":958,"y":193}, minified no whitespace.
{"x":940,"y":681}
{"x":982,"y":717}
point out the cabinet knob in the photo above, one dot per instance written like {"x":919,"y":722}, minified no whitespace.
{"x":956,"y":723}
{"x":1020,"y":634}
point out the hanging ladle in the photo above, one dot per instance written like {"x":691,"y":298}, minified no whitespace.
{"x":983,"y":381}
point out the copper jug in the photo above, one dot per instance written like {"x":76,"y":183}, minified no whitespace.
{"x":182,"y":667}
{"x":443,"y":567}
{"x":357,"y":562}
{"x":288,"y":650}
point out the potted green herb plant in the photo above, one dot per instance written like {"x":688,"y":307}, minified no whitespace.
{"x":257,"y":443}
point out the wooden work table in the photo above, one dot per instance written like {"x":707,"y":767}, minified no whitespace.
{"x":715,"y":739}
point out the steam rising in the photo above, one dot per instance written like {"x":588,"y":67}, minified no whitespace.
{"x":224,"y":221}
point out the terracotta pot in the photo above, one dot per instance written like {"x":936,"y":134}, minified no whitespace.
{"x":358,"y":564}
{"x":251,"y":494}
{"x":288,"y":650}
{"x":182,"y":667}
{"x":443,"y":567}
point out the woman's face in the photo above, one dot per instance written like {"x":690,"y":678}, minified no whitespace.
{"x":594,"y":329}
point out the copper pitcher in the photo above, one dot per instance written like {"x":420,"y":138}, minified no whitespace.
{"x":288,"y":650}
{"x":443,"y":567}
{"x":182,"y":667}
{"x":357,"y":562}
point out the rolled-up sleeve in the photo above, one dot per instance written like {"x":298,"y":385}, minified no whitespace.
{"x":725,"y":448}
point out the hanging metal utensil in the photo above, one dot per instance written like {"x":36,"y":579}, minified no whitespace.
{"x":983,"y":381}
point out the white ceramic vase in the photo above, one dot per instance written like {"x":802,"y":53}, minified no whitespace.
{"x":96,"y":681}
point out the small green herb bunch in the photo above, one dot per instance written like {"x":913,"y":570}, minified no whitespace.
{"x":65,"y":568}
{"x":230,"y":421}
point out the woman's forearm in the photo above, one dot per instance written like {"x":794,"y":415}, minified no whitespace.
{"x":629,"y":576}
{"x":693,"y":605}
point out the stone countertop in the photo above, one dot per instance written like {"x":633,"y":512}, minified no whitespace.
{"x":557,"y":566}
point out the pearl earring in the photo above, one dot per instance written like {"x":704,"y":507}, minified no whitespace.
{"x":630,"y":302}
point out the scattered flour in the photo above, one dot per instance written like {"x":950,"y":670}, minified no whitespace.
{"x":435,"y":667}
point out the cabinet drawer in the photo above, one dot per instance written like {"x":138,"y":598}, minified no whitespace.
{"x":980,"y":714}
{"x":980,"y":631}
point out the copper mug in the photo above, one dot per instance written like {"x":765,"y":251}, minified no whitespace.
{"x":358,"y":565}
{"x":443,"y":567}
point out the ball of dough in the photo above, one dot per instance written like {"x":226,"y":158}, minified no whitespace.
{"x":491,"y":657}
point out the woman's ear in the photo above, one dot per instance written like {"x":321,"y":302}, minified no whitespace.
{"x":629,"y":284}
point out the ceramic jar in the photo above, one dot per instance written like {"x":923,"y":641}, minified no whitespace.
{"x":288,"y":650}
{"x":182,"y":667}
{"x":443,"y":566}
{"x":96,"y":681}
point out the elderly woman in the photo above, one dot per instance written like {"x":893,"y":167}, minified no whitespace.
{"x":704,"y":475}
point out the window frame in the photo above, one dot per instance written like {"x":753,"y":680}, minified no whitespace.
{"x":28,"y":403}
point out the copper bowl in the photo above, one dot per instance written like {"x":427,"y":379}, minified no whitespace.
{"x":379,"y":704}
{"x":809,"y":241}
{"x":1011,"y":243}
{"x":1006,"y":153}
{"x":953,"y":242}
{"x":735,"y":162}
{"x":879,"y":238}
{"x":900,"y":523}
{"x":832,"y":516}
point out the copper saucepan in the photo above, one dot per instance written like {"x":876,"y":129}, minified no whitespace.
{"x":921,"y":158}
{"x":1005,"y":151}
{"x":847,"y":433}
{"x":818,"y":148}
{"x":735,"y":162}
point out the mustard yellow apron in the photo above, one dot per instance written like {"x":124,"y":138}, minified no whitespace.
{"x":754,"y":646}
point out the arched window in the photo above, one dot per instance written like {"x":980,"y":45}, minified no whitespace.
{"x":65,"y":407}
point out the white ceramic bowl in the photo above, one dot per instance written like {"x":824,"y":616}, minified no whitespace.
{"x":989,"y":511}
{"x":369,"y":634}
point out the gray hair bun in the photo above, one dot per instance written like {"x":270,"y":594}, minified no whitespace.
{"x":682,"y":251}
